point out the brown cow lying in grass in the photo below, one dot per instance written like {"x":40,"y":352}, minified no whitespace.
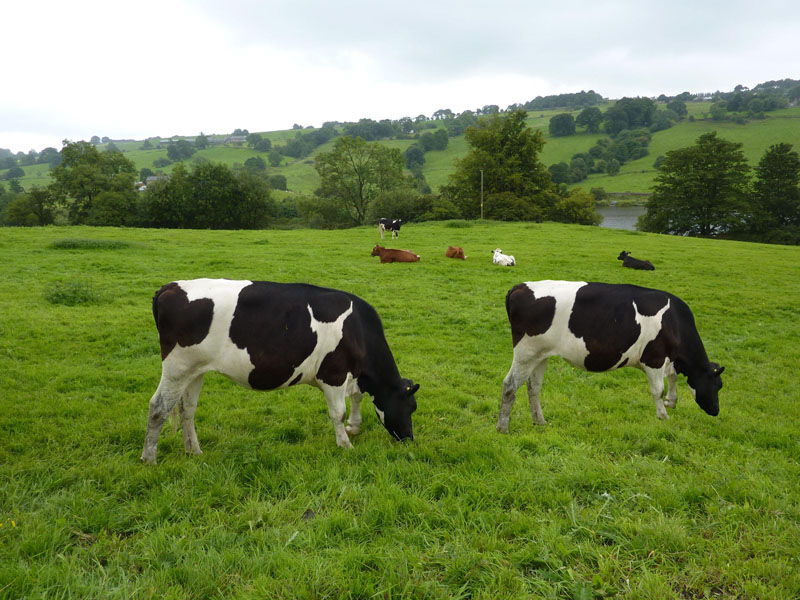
{"x":455,"y":252}
{"x":389,"y":255}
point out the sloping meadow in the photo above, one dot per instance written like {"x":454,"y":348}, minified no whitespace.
{"x":603,"y":501}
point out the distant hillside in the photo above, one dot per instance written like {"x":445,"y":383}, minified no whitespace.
{"x":756,"y":135}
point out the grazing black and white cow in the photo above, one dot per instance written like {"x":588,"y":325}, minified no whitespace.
{"x":635,"y":263}
{"x":600,"y":327}
{"x":392,"y":225}
{"x":266,"y":336}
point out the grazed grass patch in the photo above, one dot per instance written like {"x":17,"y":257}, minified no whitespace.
{"x":89,"y":244}
{"x":458,"y":224}
{"x":72,"y":292}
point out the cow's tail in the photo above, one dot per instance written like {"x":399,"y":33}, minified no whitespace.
{"x":160,"y":291}
{"x":175,"y":411}
{"x":508,"y":301}
{"x":155,"y":306}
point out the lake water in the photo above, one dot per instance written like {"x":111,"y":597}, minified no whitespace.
{"x":620,"y":217}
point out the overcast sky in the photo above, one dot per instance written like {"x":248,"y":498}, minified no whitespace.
{"x":127,"y":69}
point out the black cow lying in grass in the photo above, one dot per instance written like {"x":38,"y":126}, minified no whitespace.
{"x":635,"y":263}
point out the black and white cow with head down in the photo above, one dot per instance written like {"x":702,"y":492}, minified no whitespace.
{"x":266,"y":336}
{"x":600,"y":327}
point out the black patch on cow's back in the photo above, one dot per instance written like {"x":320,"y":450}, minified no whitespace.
{"x":272,"y":323}
{"x":274,"y":326}
{"x":527,"y":314}
{"x":603,"y":315}
{"x":178,"y":320}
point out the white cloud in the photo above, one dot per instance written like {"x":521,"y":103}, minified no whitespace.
{"x":135,"y":69}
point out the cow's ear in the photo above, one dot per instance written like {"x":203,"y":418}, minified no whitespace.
{"x":411,"y":390}
{"x":719,"y":371}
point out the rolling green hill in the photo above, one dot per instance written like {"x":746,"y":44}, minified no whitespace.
{"x":636,"y":176}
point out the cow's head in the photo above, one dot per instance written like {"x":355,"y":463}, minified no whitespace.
{"x":623,"y":254}
{"x":705,"y":385}
{"x":376,"y":251}
{"x":394,"y":409}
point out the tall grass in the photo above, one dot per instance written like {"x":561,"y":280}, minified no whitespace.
{"x":605,"y":501}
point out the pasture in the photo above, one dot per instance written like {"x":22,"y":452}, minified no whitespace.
{"x":604,"y":501}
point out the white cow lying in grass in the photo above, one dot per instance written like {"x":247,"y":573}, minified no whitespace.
{"x":504,"y":260}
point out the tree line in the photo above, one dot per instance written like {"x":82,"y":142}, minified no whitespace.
{"x":93,"y":187}
{"x":710,"y":190}
{"x":359,"y":181}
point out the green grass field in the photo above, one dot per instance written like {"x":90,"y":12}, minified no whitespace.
{"x":637,"y":176}
{"x":604,"y":501}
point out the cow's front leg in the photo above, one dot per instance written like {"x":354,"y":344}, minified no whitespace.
{"x":188,"y":407}
{"x":672,"y":387}
{"x":656,"y":379}
{"x":337,"y":408}
{"x":354,"y":420}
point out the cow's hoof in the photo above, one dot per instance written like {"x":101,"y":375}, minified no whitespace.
{"x":352,"y":430}
{"x":147,"y":460}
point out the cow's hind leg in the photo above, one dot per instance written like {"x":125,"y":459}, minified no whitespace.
{"x":354,"y":420}
{"x":517,"y":375}
{"x":167,"y":395}
{"x":534,"y":387}
{"x":672,"y":387}
{"x":337,"y":409}
{"x":656,"y":379}
{"x":188,"y":407}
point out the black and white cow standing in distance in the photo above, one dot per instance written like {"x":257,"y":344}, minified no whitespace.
{"x":392,"y":225}
{"x":600,"y":327}
{"x":266,"y":336}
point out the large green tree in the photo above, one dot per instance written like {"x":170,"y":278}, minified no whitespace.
{"x":34,"y":207}
{"x":84,"y":173}
{"x":562,"y":125}
{"x":590,"y":117}
{"x":776,"y":197}
{"x":355,"y":173}
{"x":209,"y":196}
{"x":701,"y":190}
{"x":507,"y":152}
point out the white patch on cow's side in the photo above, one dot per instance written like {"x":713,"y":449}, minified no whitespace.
{"x":216,"y":352}
{"x":649,"y":328}
{"x":329,"y":334}
{"x":558,"y":339}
